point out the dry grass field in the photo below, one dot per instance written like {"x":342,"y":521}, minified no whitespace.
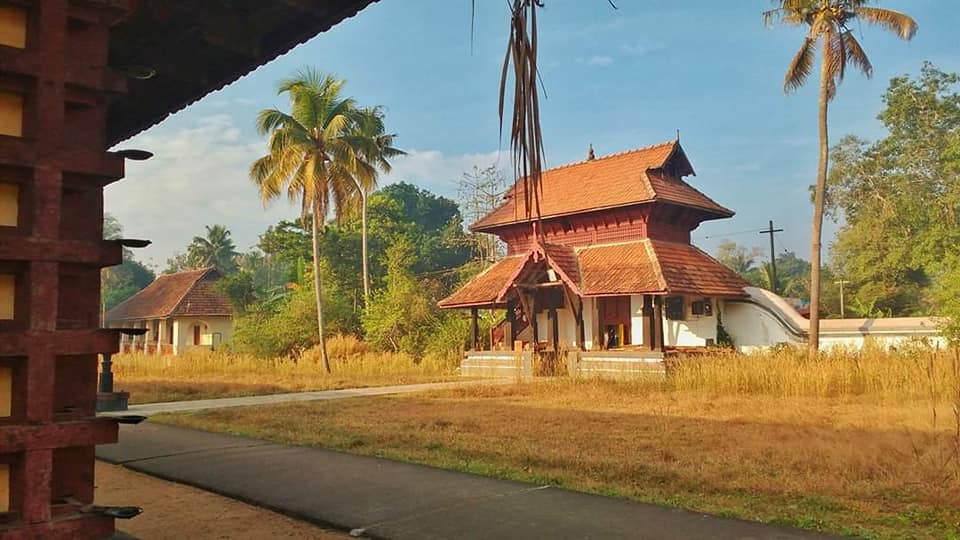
{"x":858,"y":444}
{"x":204,"y":374}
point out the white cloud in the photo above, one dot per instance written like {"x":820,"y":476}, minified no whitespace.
{"x":640,"y":49}
{"x":598,"y":60}
{"x":439,"y":172}
{"x":198,"y":176}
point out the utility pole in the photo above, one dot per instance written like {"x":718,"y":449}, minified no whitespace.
{"x":841,"y":282}
{"x":773,"y":256}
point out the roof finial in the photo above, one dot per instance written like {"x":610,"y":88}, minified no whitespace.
{"x":678,"y":134}
{"x":590,"y":155}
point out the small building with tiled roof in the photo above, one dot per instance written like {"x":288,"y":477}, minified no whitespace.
{"x":178,"y":311}
{"x":606,"y":264}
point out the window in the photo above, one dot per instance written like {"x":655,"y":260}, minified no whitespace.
{"x":9,"y":204}
{"x":675,"y":308}
{"x":11,"y":114}
{"x":13,"y":27}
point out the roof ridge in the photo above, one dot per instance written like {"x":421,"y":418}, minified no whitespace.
{"x":608,"y":156}
{"x":655,"y":262}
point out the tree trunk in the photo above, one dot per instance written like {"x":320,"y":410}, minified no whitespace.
{"x":318,"y":289}
{"x":363,"y":247}
{"x":818,"y":197}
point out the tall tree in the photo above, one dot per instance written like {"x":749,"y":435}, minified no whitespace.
{"x":375,"y":148}
{"x":827,"y":23}
{"x":311,"y":158}
{"x":898,"y":198}
{"x":215,"y":249}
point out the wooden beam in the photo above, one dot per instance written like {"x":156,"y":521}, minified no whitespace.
{"x":475,"y":329}
{"x":659,"y":304}
{"x":555,"y":327}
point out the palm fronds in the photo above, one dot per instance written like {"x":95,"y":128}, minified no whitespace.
{"x":526,"y":139}
{"x":801,"y":66}
{"x":899,"y":23}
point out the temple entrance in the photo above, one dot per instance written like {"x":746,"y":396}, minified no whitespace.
{"x":613,"y":313}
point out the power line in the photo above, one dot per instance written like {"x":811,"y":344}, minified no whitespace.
{"x":723,"y":235}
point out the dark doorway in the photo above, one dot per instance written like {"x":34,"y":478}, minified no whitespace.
{"x":614,"y":315}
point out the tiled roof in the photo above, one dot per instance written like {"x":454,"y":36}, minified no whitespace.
{"x":487,"y":287}
{"x":184,"y":294}
{"x":655,"y":266}
{"x":618,"y":269}
{"x":641,"y":267}
{"x":613,"y":181}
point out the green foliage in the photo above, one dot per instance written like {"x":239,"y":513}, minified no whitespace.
{"x":899,"y":199}
{"x":947,"y":295}
{"x":124,"y":280}
{"x":403,"y":313}
{"x":286,"y":323}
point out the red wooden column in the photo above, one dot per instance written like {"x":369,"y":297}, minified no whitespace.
{"x":54,"y":250}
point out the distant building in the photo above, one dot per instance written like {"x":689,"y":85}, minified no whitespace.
{"x":179,"y":311}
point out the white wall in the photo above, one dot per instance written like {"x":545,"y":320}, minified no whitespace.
{"x":566,"y":325}
{"x":589,"y":322}
{"x":183,"y":331}
{"x":636,"y":320}
{"x":695,"y":330}
{"x":751,"y":326}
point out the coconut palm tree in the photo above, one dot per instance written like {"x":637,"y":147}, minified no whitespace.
{"x":216,"y":249}
{"x":310,"y":159}
{"x":374,"y":148}
{"x":828,"y":28}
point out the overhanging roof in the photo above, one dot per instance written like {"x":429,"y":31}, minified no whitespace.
{"x":639,"y":267}
{"x":199,"y":46}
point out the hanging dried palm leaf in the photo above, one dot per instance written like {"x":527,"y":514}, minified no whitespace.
{"x":526,"y":140}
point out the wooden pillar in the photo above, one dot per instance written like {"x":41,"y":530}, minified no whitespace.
{"x":161,"y":330}
{"x":508,"y":334}
{"x":581,"y":335}
{"x":555,"y":329}
{"x":533,"y":320}
{"x":659,"y":319}
{"x":474,"y":329}
{"x":649,"y":313}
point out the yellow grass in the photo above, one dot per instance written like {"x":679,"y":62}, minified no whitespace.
{"x":913,"y":372}
{"x":854,"y":444}
{"x":202,"y":374}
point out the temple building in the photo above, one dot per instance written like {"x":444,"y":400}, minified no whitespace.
{"x":608,"y":266}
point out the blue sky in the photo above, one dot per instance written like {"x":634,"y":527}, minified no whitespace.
{"x":618,"y":79}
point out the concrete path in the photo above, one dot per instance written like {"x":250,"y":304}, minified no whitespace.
{"x":149,"y":409}
{"x":388,"y":499}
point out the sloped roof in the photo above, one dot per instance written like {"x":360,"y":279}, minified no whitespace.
{"x":655,"y":267}
{"x":487,"y":287}
{"x":624,"y":179}
{"x":640,"y":267}
{"x":184,"y":294}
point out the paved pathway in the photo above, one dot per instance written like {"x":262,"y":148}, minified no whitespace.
{"x":149,"y":409}
{"x":388,"y":499}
